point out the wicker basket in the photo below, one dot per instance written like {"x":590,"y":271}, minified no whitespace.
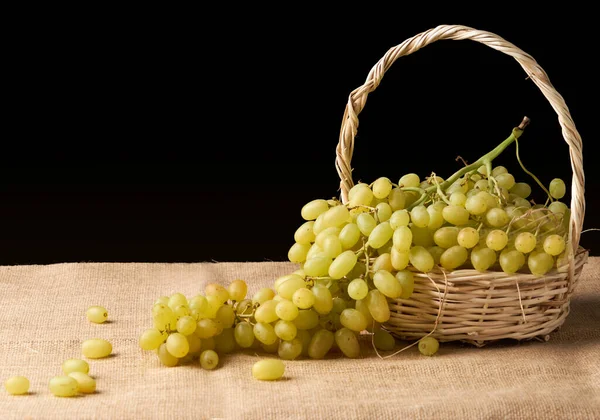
{"x":468,"y":305}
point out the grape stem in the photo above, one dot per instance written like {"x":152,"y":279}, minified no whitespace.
{"x":531,"y":174}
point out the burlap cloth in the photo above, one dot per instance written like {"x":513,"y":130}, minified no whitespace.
{"x":42,"y":321}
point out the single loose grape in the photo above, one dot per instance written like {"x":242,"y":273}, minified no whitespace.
{"x":268,"y":369}
{"x":87,"y":384}
{"x":75,"y":365}
{"x":96,"y":348}
{"x":17,"y":385}
{"x":97,"y":314}
{"x":557,"y":188}
{"x":63,"y":386}
{"x":428,"y":346}
{"x":554,"y":245}
{"x":209,"y":359}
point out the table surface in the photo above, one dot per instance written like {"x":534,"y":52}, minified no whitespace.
{"x":42,"y":320}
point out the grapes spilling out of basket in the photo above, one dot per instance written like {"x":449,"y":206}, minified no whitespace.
{"x":356,"y":256}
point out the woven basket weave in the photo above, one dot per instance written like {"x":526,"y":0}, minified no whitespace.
{"x":468,"y":305}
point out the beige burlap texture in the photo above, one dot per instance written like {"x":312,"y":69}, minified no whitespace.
{"x":42,"y":320}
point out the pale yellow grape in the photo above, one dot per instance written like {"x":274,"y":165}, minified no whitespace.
{"x":87,"y":384}
{"x":96,"y":348}
{"x":286,"y":310}
{"x":496,"y":239}
{"x":419,"y":216}
{"x":397,"y":199}
{"x":557,"y":188}
{"x":366,"y":223}
{"x":496,"y":217}
{"x":323,"y":299}
{"x":289,"y":287}
{"x":97,"y":314}
{"x":436,"y":218}
{"x":266,"y":312}
{"x":476,"y":205}
{"x":199,"y":303}
{"x":286,"y":330}
{"x":330,"y":231}
{"x":558,"y":207}
{"x":428,"y":346}
{"x":353,"y":319}
{"x":383,"y":340}
{"x":320,"y":344}
{"x":468,"y":237}
{"x":17,"y":385}
{"x":525,"y":242}
{"x":384,"y":212}
{"x":361,"y":196}
{"x":206,"y":328}
{"x":499,"y":170}
{"x":307,"y":319}
{"x":511,"y":260}
{"x":317,"y":266}
{"x":209,"y":359}
{"x":399,"y":218}
{"x":332,"y":246}
{"x":342,"y":264}
{"x":225,"y":342}
{"x":402,"y":238}
{"x":150,"y":339}
{"x":378,"y":306}
{"x":319,"y":224}
{"x":490,"y":200}
{"x":313,"y":209}
{"x":421,"y":259}
{"x":454,"y":257}
{"x":347,"y":342}
{"x":387,"y":284}
{"x":263,"y":295}
{"x":380,"y":235}
{"x":521,"y":189}
{"x":505,"y":180}
{"x":63,"y":386}
{"x":290,"y":350}
{"x":339,"y":305}
{"x":182,"y":310}
{"x":195,"y":343}
{"x":409,"y":180}
{"x":336,"y":216}
{"x":244,"y":334}
{"x":214,"y":302}
{"x":264,"y":333}
{"x":77,"y":365}
{"x":280,"y":280}
{"x":407,"y":282}
{"x":481,"y":185}
{"x":303,"y":298}
{"x":268,"y":369}
{"x":361,"y":305}
{"x":177,"y":345}
{"x":297,"y":252}
{"x":446,"y":237}
{"x":455,"y":215}
{"x":186,"y":325}
{"x":398,"y":259}
{"x":163,"y":317}
{"x":304,"y":234}
{"x":436,"y":252}
{"x":226,"y":316}
{"x":358,"y":289}
{"x":349,"y":235}
{"x":540,"y":263}
{"x":458,"y":198}
{"x":554,"y":245}
{"x":383,"y":262}
{"x":215,"y":289}
{"x":382,"y":187}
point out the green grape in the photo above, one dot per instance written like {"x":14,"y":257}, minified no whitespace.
{"x":186,"y":325}
{"x":226,"y":316}
{"x":323,"y":300}
{"x":307,"y":319}
{"x":458,"y":198}
{"x":97,"y":314}
{"x":358,"y":289}
{"x":399,"y":260}
{"x":521,"y":203}
{"x":177,"y":345}
{"x":468,"y":237}
{"x":399,"y":218}
{"x":207,"y":327}
{"x":409,"y":180}
{"x":313,"y":209}
{"x":265,"y":333}
{"x":266,"y":312}
{"x":349,"y":235}
{"x":78,"y":365}
{"x":288,"y":287}
{"x":96,"y":348}
{"x":558,"y":207}
{"x":454,"y":257}
{"x":225,"y":342}
{"x":499,"y":170}
{"x":342,"y":264}
{"x":407,"y":282}
{"x":521,"y":189}
{"x":182,"y":310}
{"x":361,"y":196}
{"x":481,"y":185}
{"x":244,"y":334}
{"x":540,"y":263}
{"x":483,"y":258}
{"x":378,"y":306}
{"x":422,"y":236}
{"x":199,"y":303}
{"x":335,"y":216}
{"x":476,"y":205}
{"x":511,"y":260}
{"x":353,"y":319}
{"x":382,"y":187}
{"x":496,"y":217}
{"x":305,"y":234}
{"x":366,"y":223}
{"x":525,"y":242}
{"x":163,"y":317}
{"x":402,"y":238}
{"x":63,"y":386}
{"x":383,"y":340}
{"x":397,"y":199}
{"x":332,"y":246}
{"x":382,"y":262}
{"x":177,"y":299}
{"x":554,"y":245}
{"x":17,"y":385}
{"x":380,"y":235}
{"x":317,"y":266}
{"x":85,"y":383}
{"x":195,"y":344}
{"x":286,"y":310}
{"x":215,"y":289}
{"x":387,"y":284}
{"x":290,"y":350}
{"x":286,"y":330}
{"x":421,"y":259}
{"x":166,"y":358}
{"x":490,"y":200}
{"x":297,"y":252}
{"x":505,"y":180}
{"x":361,"y":306}
{"x":384,"y":212}
{"x":436,"y":218}
{"x":496,"y":239}
{"x":347,"y":342}
{"x":150,"y":339}
{"x":209,"y":359}
{"x":446,"y":237}
{"x":436,"y":252}
{"x":420,"y":216}
{"x":303,"y":298}
{"x":557,"y":188}
{"x":455,"y":215}
{"x":330,"y":231}
{"x":320,"y":344}
{"x":268,"y":369}
{"x":304,"y":336}
{"x":428,"y":346}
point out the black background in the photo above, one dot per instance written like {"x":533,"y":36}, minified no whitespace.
{"x":199,"y":135}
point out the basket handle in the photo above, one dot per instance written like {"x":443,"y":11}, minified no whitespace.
{"x":358,"y":98}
